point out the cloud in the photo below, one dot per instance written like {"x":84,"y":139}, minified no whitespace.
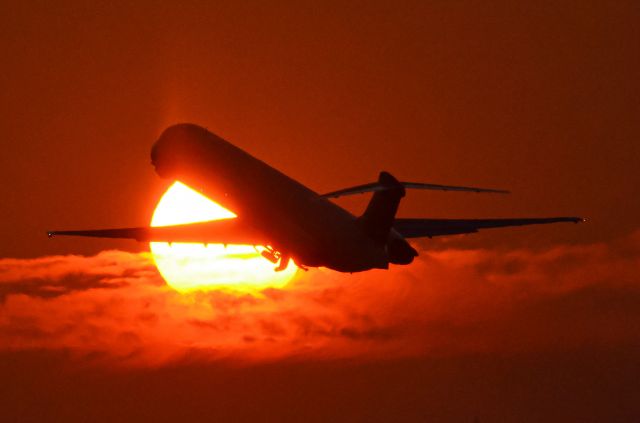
{"x":114,"y":306}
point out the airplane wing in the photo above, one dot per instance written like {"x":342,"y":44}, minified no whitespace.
{"x":378,"y":186}
{"x":414,"y":228}
{"x":224,"y":231}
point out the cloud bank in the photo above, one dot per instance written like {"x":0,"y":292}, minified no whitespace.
{"x":115,"y":307}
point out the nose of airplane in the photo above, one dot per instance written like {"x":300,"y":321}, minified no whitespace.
{"x":175,"y":144}
{"x":187,"y":146}
{"x":160,"y":158}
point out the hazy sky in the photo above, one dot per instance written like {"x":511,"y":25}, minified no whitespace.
{"x":524,"y":324}
{"x":539,"y":98}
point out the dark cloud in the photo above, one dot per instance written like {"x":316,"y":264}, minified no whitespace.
{"x":45,"y":288}
{"x":50,"y":277}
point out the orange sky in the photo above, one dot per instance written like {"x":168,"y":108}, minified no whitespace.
{"x":539,"y":99}
{"x":528,"y":324}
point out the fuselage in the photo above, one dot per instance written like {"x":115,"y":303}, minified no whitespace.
{"x":311,"y":229}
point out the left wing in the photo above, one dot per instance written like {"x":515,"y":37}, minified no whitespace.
{"x":225,"y":231}
{"x":414,"y":228}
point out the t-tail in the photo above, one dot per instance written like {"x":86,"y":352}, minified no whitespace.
{"x":378,"y":218}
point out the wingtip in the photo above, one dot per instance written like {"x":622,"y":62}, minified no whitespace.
{"x":51,"y":234}
{"x":576,"y":220}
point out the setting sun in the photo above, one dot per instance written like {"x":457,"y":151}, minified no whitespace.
{"x":188,"y":266}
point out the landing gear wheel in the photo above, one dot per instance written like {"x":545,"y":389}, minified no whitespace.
{"x":269,"y":256}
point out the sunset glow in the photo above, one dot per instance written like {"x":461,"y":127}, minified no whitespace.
{"x":188,"y":266}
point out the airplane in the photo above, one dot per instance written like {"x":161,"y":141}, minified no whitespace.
{"x":288,"y":219}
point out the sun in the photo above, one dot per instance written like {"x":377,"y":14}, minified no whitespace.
{"x":187,"y":266}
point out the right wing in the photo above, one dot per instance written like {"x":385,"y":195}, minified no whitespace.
{"x":415,"y":228}
{"x":224,"y":231}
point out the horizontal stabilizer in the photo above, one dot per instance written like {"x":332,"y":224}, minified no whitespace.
{"x":225,"y":231}
{"x":377,"y":186}
{"x":415,"y":228}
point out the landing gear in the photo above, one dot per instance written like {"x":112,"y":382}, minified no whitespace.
{"x":270,"y":254}
{"x":284,"y":262}
{"x":275,"y":256}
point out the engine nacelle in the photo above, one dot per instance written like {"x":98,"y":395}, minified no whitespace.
{"x":399,"y":250}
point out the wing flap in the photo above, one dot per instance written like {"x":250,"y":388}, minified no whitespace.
{"x":414,"y":228}
{"x":225,"y":231}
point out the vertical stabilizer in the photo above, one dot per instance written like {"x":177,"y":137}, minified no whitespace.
{"x":381,"y":211}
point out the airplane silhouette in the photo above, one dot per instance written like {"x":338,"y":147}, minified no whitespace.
{"x":290,"y":220}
